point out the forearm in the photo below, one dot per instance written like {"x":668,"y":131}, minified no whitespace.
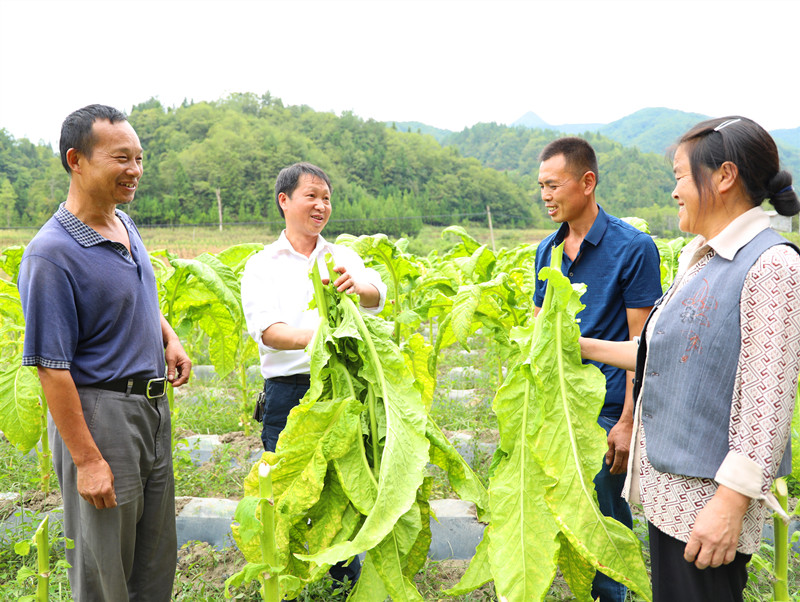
{"x":621,"y":354}
{"x":369,"y":296}
{"x":284,"y":337}
{"x":167,"y":333}
{"x":67,"y":412}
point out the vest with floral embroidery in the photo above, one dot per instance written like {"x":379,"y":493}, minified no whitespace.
{"x":692,"y":358}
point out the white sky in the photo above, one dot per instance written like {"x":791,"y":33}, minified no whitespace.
{"x":447,"y":63}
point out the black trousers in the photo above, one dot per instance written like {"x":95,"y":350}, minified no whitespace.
{"x":674,"y":579}
{"x":281,"y":396}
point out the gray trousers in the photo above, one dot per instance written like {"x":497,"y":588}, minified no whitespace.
{"x":128,"y":552}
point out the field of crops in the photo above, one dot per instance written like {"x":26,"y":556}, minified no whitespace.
{"x":373,"y":440}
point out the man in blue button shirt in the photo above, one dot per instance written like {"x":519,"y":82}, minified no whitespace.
{"x":620,"y":267}
{"x":104,"y":354}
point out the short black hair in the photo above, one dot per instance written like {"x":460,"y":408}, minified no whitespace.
{"x":76,"y":131}
{"x":578,"y":154}
{"x":289,"y":178}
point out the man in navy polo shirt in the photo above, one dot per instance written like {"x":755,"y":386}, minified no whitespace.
{"x":620,"y":267}
{"x":104,"y":354}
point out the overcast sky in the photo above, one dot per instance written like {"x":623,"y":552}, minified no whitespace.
{"x":447,"y":63}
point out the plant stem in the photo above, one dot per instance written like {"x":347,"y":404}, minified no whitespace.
{"x":244,"y":403}
{"x":269,"y":583}
{"x":42,"y":539}
{"x":373,"y":427}
{"x":45,"y":456}
{"x":781,"y":529}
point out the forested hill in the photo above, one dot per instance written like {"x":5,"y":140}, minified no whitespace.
{"x":235,"y":147}
{"x":385,"y":179}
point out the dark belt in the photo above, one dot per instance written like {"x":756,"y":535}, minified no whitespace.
{"x":155,"y":387}
{"x":294,"y":379}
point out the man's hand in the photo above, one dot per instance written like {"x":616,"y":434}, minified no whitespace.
{"x":368,"y":295}
{"x":716,"y":530}
{"x":96,"y":484}
{"x":619,"y":444}
{"x":178,"y":363}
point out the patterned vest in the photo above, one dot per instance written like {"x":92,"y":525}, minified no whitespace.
{"x":691,"y":368}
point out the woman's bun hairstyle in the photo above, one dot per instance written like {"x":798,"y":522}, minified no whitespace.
{"x":782,"y":195}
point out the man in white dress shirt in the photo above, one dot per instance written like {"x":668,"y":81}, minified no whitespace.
{"x":276,"y":291}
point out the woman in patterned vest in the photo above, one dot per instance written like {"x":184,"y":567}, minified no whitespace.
{"x":716,"y":367}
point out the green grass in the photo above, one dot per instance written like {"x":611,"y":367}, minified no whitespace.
{"x":205,"y":409}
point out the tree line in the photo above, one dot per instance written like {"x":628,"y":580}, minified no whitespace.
{"x":202,"y":156}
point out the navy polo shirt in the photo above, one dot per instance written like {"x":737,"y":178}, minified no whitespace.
{"x":90,"y":306}
{"x":620,"y":267}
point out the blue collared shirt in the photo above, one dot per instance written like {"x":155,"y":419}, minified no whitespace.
{"x":90,"y":306}
{"x":621,"y":268}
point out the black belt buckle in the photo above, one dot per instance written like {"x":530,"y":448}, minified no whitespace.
{"x":156,"y":387}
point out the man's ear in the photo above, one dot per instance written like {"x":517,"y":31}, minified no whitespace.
{"x":73,"y":160}
{"x":589,"y":181}
{"x":283,"y":199}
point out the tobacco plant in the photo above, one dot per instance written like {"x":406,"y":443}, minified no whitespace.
{"x":23,"y":409}
{"x":541,"y":493}
{"x":203,"y":294}
{"x":350,"y":467}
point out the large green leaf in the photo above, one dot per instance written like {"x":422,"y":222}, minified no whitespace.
{"x":236,"y":257}
{"x":541,"y":495}
{"x":10,"y":259}
{"x":468,"y":244}
{"x":20,"y":405}
{"x":478,"y":573}
{"x":405,"y":448}
{"x":522,"y":526}
{"x":569,"y":443}
{"x":465,"y":482}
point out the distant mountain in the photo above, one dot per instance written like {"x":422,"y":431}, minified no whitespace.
{"x":421,"y":128}
{"x":652,"y":130}
{"x":533,"y":121}
{"x":791,"y":137}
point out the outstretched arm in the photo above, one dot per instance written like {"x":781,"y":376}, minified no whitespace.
{"x":619,"y":437}
{"x":620,"y":354}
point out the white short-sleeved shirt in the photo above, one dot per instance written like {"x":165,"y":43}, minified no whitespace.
{"x":276,"y":287}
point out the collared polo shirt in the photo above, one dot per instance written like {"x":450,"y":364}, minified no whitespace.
{"x":620,"y":267}
{"x":90,"y":306}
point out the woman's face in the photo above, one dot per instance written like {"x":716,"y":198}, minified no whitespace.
{"x":686,"y":193}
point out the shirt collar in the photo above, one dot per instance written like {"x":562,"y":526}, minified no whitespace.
{"x":727,"y":243}
{"x":284,"y":246}
{"x":595,"y":233}
{"x":83,"y":234}
{"x":739,"y":232}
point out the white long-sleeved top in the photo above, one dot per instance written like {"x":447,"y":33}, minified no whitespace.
{"x":276,"y":287}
